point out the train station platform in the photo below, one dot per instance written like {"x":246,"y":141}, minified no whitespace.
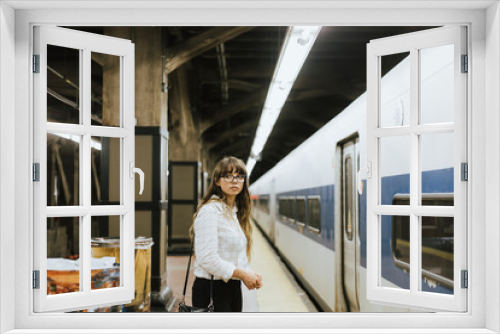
{"x":280,"y":293}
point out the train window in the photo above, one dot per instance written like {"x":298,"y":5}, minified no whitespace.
{"x":437,"y":254}
{"x":348,"y":216}
{"x":437,"y":250}
{"x":291,"y":208}
{"x":437,"y":244}
{"x":282,"y":207}
{"x":264,"y":205}
{"x":314,"y":213}
{"x":395,"y":251}
{"x":301,"y":210}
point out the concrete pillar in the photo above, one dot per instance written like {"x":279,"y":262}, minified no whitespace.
{"x":184,"y":139}
{"x":150,"y":101}
{"x":151,"y":112}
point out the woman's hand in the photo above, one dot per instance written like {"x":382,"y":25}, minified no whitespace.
{"x":250,"y":279}
{"x":259,"y":282}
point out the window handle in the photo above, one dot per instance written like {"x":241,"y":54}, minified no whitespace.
{"x":141,"y":175}
{"x":368,"y":171}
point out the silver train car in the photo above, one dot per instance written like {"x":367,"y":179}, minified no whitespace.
{"x":309,"y":209}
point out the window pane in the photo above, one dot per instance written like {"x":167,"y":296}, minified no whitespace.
{"x":395,"y":252}
{"x":105,"y":166}
{"x":291,"y":208}
{"x":436,"y":84}
{"x":437,"y":254}
{"x":301,"y":210}
{"x":63,"y":169}
{"x":105,"y":265}
{"x":395,"y":90}
{"x":437,"y":167}
{"x":282,"y":207}
{"x":63,"y":81}
{"x":63,"y":252}
{"x":395,"y":167}
{"x":106,"y":90}
{"x":264,"y":205}
{"x":314,"y":210}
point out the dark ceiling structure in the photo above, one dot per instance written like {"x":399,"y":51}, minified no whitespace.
{"x":231,"y":81}
{"x":230,"y":69}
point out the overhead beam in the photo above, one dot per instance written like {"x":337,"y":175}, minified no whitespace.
{"x":195,"y":46}
{"x":238,"y":145}
{"x":243,"y":85}
{"x":255,"y":98}
{"x":335,"y":89}
{"x":227,"y":135}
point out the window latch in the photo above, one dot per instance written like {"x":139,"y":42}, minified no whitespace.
{"x":368,"y":171}
{"x":133,"y":170}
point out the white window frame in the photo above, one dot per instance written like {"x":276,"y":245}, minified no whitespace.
{"x":85,"y":43}
{"x":484,"y":212}
{"x":413,"y":43}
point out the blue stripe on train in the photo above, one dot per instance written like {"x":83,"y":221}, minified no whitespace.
{"x":438,"y":181}
{"x":326,"y":193}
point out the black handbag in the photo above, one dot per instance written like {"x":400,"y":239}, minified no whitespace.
{"x":182,"y":305}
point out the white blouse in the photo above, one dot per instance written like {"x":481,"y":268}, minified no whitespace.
{"x":219,"y":242}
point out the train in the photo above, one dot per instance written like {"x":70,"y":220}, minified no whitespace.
{"x":308,"y":207}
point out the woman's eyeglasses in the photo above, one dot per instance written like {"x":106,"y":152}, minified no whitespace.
{"x":231,"y":178}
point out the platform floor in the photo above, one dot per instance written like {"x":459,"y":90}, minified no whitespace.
{"x":280,"y":293}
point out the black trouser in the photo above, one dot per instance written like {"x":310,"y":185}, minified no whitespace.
{"x":227,"y":296}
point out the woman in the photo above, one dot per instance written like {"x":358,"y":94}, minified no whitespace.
{"x":223,"y":239}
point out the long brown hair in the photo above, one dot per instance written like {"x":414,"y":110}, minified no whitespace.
{"x":242,"y":200}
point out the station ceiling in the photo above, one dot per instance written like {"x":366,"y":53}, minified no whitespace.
{"x":332,"y":77}
{"x":230,"y":69}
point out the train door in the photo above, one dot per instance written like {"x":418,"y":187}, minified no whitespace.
{"x":350,"y":224}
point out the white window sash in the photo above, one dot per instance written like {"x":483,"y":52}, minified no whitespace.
{"x":413,"y":297}
{"x":86,"y":43}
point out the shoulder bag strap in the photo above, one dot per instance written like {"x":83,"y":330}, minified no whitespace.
{"x":187,"y":273}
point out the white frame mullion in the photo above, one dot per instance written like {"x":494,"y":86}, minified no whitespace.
{"x":373,"y":220}
{"x":460,"y":155}
{"x":108,"y":131}
{"x":417,"y":129}
{"x":40,"y":156}
{"x":414,"y":169}
{"x":85,"y":108}
{"x":127,"y":198}
{"x":407,"y":210}
{"x":95,"y":210}
{"x":80,"y":130}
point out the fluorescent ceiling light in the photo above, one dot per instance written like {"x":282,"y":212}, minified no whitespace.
{"x":298,"y":42}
